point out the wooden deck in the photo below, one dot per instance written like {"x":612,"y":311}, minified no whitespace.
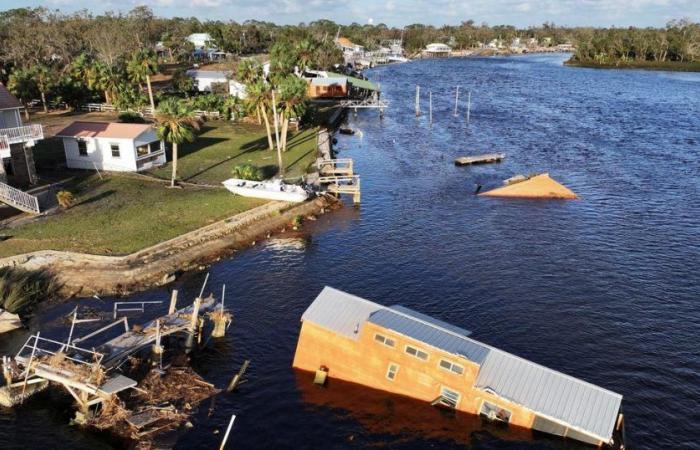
{"x":343,"y":185}
{"x":335,"y":167}
{"x":480,"y":159}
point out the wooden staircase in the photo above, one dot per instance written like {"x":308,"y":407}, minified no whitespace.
{"x":19,"y":199}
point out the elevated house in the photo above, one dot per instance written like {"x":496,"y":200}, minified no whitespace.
{"x":398,"y":350}
{"x":119,"y":147}
{"x":16,"y":142}
{"x":331,"y":85}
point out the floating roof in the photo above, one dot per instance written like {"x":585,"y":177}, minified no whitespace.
{"x":104,"y":130}
{"x":539,"y":186}
{"x":7,"y":100}
{"x":577,"y":404}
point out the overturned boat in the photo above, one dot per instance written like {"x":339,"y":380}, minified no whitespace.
{"x":270,"y":190}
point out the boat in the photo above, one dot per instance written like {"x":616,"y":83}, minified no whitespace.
{"x":9,"y":321}
{"x":270,"y":189}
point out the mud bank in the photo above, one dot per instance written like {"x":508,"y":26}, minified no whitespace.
{"x":82,"y":274}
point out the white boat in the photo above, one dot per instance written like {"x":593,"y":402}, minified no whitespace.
{"x":9,"y":321}
{"x":271,"y":189}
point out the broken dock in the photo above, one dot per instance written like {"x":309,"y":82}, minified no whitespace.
{"x":480,"y":159}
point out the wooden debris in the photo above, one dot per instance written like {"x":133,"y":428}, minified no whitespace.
{"x":237,"y":378}
{"x":479,"y":159}
{"x":539,"y":186}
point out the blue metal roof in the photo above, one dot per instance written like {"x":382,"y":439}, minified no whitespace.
{"x":431,"y":332}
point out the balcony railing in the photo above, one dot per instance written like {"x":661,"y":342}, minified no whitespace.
{"x":33,"y":132}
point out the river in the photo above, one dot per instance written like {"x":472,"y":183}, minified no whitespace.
{"x":604,"y":288}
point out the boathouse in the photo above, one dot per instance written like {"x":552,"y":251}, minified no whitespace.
{"x":398,"y":350}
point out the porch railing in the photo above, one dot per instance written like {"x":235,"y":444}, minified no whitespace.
{"x":16,"y":135}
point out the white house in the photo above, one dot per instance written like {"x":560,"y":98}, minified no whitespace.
{"x":119,"y":147}
{"x":437,"y":49}
{"x":203,"y":80}
{"x":200,"y":40}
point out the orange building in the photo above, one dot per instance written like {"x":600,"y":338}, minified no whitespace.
{"x":398,"y":350}
{"x":327,"y":87}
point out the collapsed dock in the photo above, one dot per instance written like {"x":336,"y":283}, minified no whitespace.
{"x":101,"y":374}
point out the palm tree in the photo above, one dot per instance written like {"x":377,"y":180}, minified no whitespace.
{"x":305,"y":52}
{"x":249,"y":73}
{"x":175,"y":123}
{"x":45,"y":79}
{"x":258,"y":94}
{"x":142,"y":65}
{"x":293,"y":98}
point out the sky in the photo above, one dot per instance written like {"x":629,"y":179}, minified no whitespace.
{"x":521,"y":13}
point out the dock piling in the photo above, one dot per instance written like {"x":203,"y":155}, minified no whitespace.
{"x":430,"y":103}
{"x":220,"y":318}
{"x":173,"y":302}
{"x":417,"y":100}
{"x":228,"y":431}
{"x":469,"y":105}
{"x":456,"y":100}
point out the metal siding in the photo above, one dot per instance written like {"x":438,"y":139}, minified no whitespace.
{"x":429,"y":333}
{"x":572,"y":401}
{"x":340,"y":312}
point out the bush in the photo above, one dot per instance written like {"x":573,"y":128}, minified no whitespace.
{"x":65,"y":199}
{"x":248,"y":172}
{"x":21,"y":289}
{"x":131,"y":117}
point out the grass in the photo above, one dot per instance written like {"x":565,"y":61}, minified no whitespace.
{"x":221,"y":146}
{"x":120,"y":214}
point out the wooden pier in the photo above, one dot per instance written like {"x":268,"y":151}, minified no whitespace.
{"x":348,"y":184}
{"x":333,"y":167}
{"x":480,"y":159}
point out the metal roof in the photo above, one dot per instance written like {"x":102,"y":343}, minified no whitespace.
{"x":7,"y":100}
{"x":584,"y":406}
{"x":209,"y":74}
{"x":573,"y":402}
{"x":340,"y":312}
{"x":431,"y":332}
{"x":318,"y":81}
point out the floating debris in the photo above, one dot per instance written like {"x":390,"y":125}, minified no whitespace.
{"x":537,"y":186}
{"x":479,"y":159}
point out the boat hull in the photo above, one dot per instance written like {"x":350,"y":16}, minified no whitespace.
{"x":266,"y":190}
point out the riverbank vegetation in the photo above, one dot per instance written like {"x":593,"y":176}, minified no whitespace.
{"x":21,"y":290}
{"x":676,"y":47}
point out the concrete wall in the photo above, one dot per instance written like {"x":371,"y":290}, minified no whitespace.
{"x":366,"y":361}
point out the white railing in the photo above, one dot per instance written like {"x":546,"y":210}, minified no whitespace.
{"x":32,"y":132}
{"x":19,"y":199}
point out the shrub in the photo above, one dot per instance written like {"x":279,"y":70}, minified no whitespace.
{"x":21,"y":289}
{"x":248,"y":172}
{"x":65,"y":199}
{"x":297,"y":222}
{"x":131,"y":117}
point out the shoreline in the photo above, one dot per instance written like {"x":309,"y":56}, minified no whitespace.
{"x":651,"y":66}
{"x":81,"y":274}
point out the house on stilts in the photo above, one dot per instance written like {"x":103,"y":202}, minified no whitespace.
{"x":398,"y":350}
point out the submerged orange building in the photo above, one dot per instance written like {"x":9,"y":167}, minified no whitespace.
{"x":398,"y":350}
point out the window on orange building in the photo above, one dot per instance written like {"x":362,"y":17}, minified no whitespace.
{"x":416,"y":352}
{"x":392,"y":371}
{"x":452,"y":367}
{"x":495,"y":412}
{"x":389,"y":342}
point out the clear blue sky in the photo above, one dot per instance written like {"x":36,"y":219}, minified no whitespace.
{"x":402,"y":12}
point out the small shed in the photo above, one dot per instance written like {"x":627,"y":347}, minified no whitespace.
{"x":119,"y":147}
{"x":331,"y":87}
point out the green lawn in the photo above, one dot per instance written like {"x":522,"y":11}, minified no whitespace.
{"x":120,"y":215}
{"x":221,"y":146}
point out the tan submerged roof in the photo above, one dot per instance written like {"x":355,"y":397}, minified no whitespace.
{"x":539,"y":186}
{"x":104,"y":129}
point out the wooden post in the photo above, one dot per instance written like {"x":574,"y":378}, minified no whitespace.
{"x":430,"y":103}
{"x":157,"y":348}
{"x":237,"y":378}
{"x":456,"y":100}
{"x":220,"y":318}
{"x":228,"y":431}
{"x":7,"y":374}
{"x":356,"y":195}
{"x":193,"y":324}
{"x":469,"y":105}
{"x":173,"y":302}
{"x":417,"y":100}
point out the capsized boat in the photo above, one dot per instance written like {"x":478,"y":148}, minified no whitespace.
{"x":270,"y":189}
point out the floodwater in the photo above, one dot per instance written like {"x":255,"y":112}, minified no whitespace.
{"x":604,"y":288}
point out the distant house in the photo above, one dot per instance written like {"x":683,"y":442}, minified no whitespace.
{"x":437,"y":50}
{"x":206,"y":80}
{"x":16,"y":142}
{"x":346,"y":45}
{"x":119,"y":147}
{"x":200,"y":40}
{"x":396,"y":349}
